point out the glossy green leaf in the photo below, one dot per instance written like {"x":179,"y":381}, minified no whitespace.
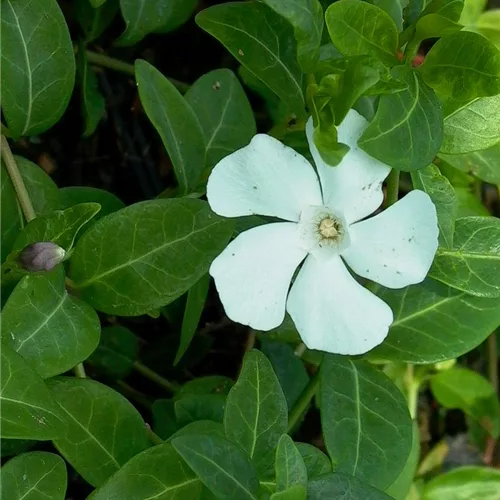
{"x":366,"y":424}
{"x":52,"y":330}
{"x":94,"y":19}
{"x":433,"y":322}
{"x":147,"y":255}
{"x":290,"y":467}
{"x":317,"y":463}
{"x":464,"y":483}
{"x":195,"y":304}
{"x":464,"y":66}
{"x":220,"y":465}
{"x":38,"y":65}
{"x":200,"y":407}
{"x":306,"y":17}
{"x":104,"y":429}
{"x":473,"y":264}
{"x":176,"y":123}
{"x":297,"y":492}
{"x":470,"y":392}
{"x":438,"y":187}
{"x":28,"y":411}
{"x":33,"y":476}
{"x":434,"y":26}
{"x":263,"y":42}
{"x":407,"y":130}
{"x":256,"y":411}
{"x":358,"y":28}
{"x":451,"y":9}
{"x":394,"y":8}
{"x":488,"y":25}
{"x":336,"y":485}
{"x":225,"y":115}
{"x":472,"y":10}
{"x":157,"y":473}
{"x":205,"y":427}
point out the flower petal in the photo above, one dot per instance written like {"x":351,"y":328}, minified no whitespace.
{"x":253,"y":274}
{"x":355,"y":185}
{"x":263,"y":178}
{"x":333,"y":312}
{"x":396,"y":248}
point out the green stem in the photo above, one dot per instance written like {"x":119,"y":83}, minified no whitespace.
{"x":153,"y":437}
{"x":412,"y":391}
{"x":17,"y":180}
{"x":79,"y":371}
{"x":493,"y":361}
{"x":303,"y":401}
{"x":154,"y":377}
{"x":392,"y":188}
{"x":123,"y":67}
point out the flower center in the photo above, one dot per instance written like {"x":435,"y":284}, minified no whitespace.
{"x":328,"y":228}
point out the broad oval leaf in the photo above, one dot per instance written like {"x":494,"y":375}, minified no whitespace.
{"x":221,"y":465}
{"x":176,"y":123}
{"x":451,"y":9}
{"x":192,"y":408}
{"x":52,"y":330}
{"x":263,"y":42}
{"x":256,"y":411}
{"x":38,"y":65}
{"x":317,"y":463}
{"x":158,"y":472}
{"x":206,"y":427}
{"x":464,"y":66}
{"x":433,"y":322}
{"x":94,"y":19}
{"x":358,"y":28}
{"x":28,"y":410}
{"x":34,"y":475}
{"x":290,"y":467}
{"x":154,"y":251}
{"x":104,"y":429}
{"x":407,"y":130}
{"x":473,"y":264}
{"x":366,"y":423}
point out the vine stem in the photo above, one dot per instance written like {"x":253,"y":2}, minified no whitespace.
{"x":154,"y":377}
{"x":303,"y":401}
{"x":493,"y":361}
{"x":412,"y":391}
{"x":17,"y":180}
{"x":79,"y":371}
{"x":153,"y":437}
{"x":392,"y":188}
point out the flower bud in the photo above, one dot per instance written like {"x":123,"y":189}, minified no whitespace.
{"x":41,"y":256}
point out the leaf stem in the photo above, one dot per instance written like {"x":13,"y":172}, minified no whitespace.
{"x":154,"y":377}
{"x":124,"y":67}
{"x":79,"y":371}
{"x":412,"y":391}
{"x":392,"y":188}
{"x":493,"y":361}
{"x":303,"y":401}
{"x":17,"y":180}
{"x":153,"y":437}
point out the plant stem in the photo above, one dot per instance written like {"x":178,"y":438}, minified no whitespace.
{"x":17,"y":181}
{"x":153,"y":437}
{"x":412,"y":390}
{"x":493,"y":361}
{"x":303,"y":401}
{"x":79,"y":371}
{"x":123,"y":67}
{"x":154,"y":377}
{"x":392,"y":188}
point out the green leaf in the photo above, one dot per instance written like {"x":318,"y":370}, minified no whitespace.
{"x":164,"y":419}
{"x":407,"y":130}
{"x":290,"y":467}
{"x":147,"y":255}
{"x":157,"y":473}
{"x":206,"y":427}
{"x":464,"y":483}
{"x":464,"y":66}
{"x":433,"y":323}
{"x":38,"y":65}
{"x":470,"y":392}
{"x":316,"y":461}
{"x":306,"y":17}
{"x":451,"y":9}
{"x":74,"y":195}
{"x":12,"y":219}
{"x":358,"y":28}
{"x":366,"y":423}
{"x":179,"y":12}
{"x":94,"y":19}
{"x":263,"y":42}
{"x":472,"y":126}
{"x":211,"y":384}
{"x":33,"y":476}
{"x":225,"y":115}
{"x":256,"y":411}
{"x":473,"y":264}
{"x":488,"y":25}
{"x":195,"y":304}
{"x":52,"y":330}
{"x":297,"y":492}
{"x":221,"y":466}
{"x":104,"y":429}
{"x":200,"y":407}
{"x":335,"y":485}
{"x":176,"y":123}
{"x":28,"y":411}
{"x":434,"y":26}
{"x":12,"y":447}
{"x":438,"y":187}
{"x":472,"y":10}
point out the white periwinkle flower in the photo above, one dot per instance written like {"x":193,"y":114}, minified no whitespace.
{"x":331,"y":310}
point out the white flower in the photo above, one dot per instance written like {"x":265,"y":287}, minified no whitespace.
{"x":331,"y":310}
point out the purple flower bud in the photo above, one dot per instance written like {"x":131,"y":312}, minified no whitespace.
{"x":42,"y":256}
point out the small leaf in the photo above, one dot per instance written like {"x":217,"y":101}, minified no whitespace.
{"x":38,"y":65}
{"x":94,"y":19}
{"x":434,"y":26}
{"x":256,"y":411}
{"x":200,"y":407}
{"x":155,"y":250}
{"x":34,"y":475}
{"x":394,"y":8}
{"x":221,"y":466}
{"x":211,"y":384}
{"x":407,"y":130}
{"x":358,"y":28}
{"x":366,"y":424}
{"x":206,"y":427}
{"x":104,"y":429}
{"x":176,"y":123}
{"x":488,"y":25}
{"x":464,"y":66}
{"x":297,"y":492}
{"x":451,"y":9}
{"x":164,"y":419}
{"x":263,"y":42}
{"x":317,"y":463}
{"x":157,"y":473}
{"x":290,"y":467}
